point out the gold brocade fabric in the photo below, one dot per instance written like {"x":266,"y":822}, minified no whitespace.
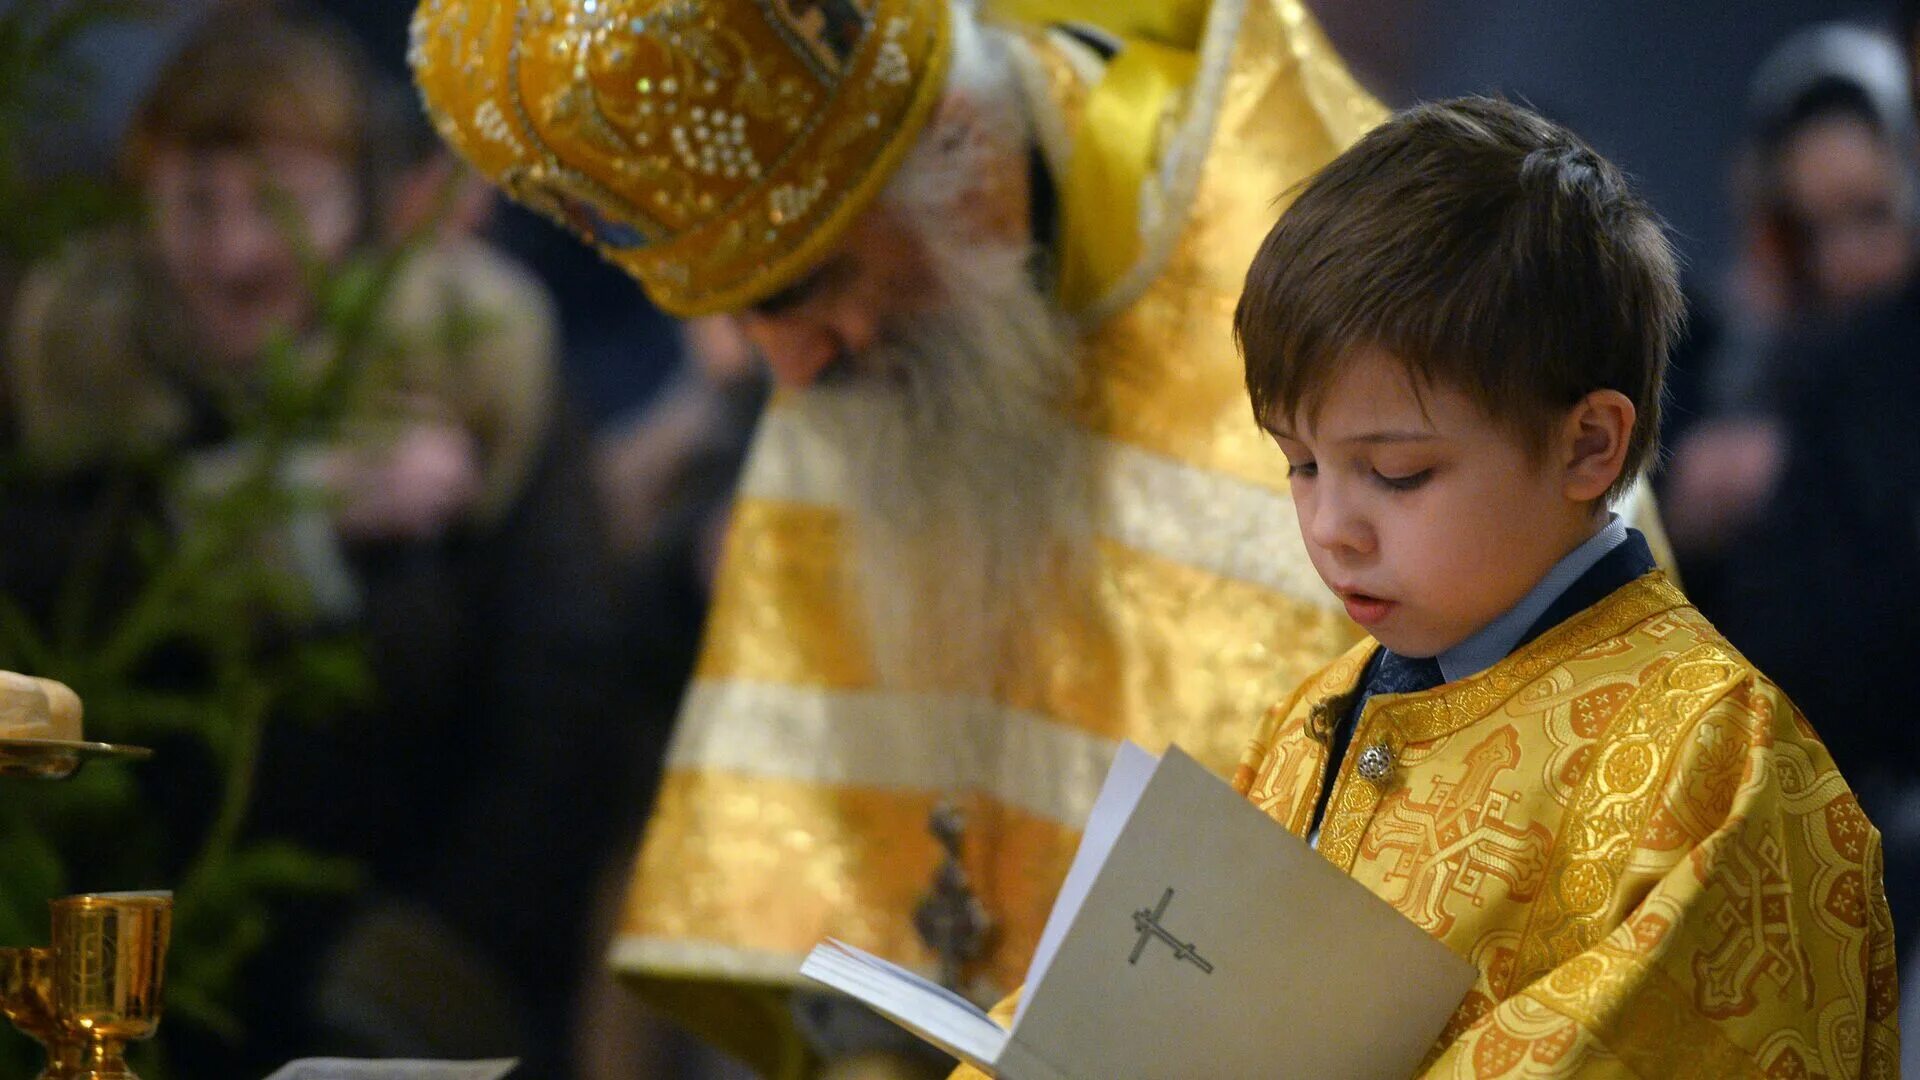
{"x":1635,"y":837}
{"x":796,"y":796}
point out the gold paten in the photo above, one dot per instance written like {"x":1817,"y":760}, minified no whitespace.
{"x":58,"y":759}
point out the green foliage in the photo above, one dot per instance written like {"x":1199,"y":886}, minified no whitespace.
{"x":198,"y":592}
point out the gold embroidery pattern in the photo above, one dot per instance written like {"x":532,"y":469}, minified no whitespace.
{"x":1751,"y":898}
{"x":1614,"y":803}
{"x":1288,"y":777}
{"x":713,"y":148}
{"x":1657,"y":1033}
{"x":1400,"y":720}
{"x":1420,"y":717}
{"x":1285,"y":764}
{"x":1354,"y":800}
{"x":1710,"y":902}
{"x":1529,"y":1040}
{"x":1454,"y":841}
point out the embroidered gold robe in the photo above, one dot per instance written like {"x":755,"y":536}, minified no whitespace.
{"x":1635,"y":837}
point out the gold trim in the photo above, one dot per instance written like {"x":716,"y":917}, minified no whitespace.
{"x":1431,"y":714}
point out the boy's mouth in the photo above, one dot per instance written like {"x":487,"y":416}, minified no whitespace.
{"x":1365,"y":609}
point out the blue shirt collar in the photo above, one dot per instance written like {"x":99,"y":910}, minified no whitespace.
{"x":1492,"y":642}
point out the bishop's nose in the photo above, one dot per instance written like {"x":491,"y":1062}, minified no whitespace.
{"x":800,"y":351}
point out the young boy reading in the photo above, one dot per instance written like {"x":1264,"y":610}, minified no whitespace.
{"x":1544,"y":756}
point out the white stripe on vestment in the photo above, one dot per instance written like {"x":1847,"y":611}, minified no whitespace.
{"x":889,"y":739}
{"x":1152,"y":503}
{"x":1208,"y":520}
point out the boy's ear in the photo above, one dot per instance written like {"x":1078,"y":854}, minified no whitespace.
{"x":1594,"y":443}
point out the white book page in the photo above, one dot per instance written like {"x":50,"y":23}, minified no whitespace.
{"x":1126,"y":779}
{"x":929,"y":1010}
{"x":912,"y":977}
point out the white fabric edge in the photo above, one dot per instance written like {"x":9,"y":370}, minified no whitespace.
{"x":892,"y":740}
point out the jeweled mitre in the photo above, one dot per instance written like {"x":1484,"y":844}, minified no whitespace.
{"x":715,"y":149}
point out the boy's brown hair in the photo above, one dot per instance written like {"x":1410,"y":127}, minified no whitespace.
{"x":252,"y":76}
{"x":1488,"y":248}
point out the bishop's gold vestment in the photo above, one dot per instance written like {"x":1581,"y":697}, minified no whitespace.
{"x":1635,"y":837}
{"x":796,"y":795}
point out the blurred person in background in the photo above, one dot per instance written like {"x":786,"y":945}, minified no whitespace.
{"x":1846,"y":511}
{"x":459,"y":534}
{"x":666,"y":478}
{"x":1827,"y":193}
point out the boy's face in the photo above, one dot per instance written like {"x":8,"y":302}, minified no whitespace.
{"x":1427,"y":523}
{"x":229,"y":253}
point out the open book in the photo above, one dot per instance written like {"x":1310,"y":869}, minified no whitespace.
{"x":1193,"y":937}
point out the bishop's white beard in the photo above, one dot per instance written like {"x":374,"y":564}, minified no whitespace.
{"x":970,"y":494}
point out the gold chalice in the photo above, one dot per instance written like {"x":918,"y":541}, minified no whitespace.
{"x":96,"y":988}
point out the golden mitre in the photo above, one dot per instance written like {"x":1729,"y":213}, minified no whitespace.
{"x":715,"y":149}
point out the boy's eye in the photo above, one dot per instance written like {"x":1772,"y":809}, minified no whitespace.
{"x":1407,"y":482}
{"x":1302,"y":471}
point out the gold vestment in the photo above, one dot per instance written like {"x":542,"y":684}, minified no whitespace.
{"x":796,"y":795}
{"x":1635,"y":837}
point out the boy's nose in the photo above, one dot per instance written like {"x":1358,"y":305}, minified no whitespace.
{"x":1335,"y":524}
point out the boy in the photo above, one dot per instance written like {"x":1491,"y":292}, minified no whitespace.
{"x":1544,"y":756}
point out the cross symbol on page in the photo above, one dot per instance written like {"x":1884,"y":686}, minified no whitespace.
{"x":1148,"y":923}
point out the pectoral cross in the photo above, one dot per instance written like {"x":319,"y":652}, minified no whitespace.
{"x":950,"y":918}
{"x":1148,"y":923}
